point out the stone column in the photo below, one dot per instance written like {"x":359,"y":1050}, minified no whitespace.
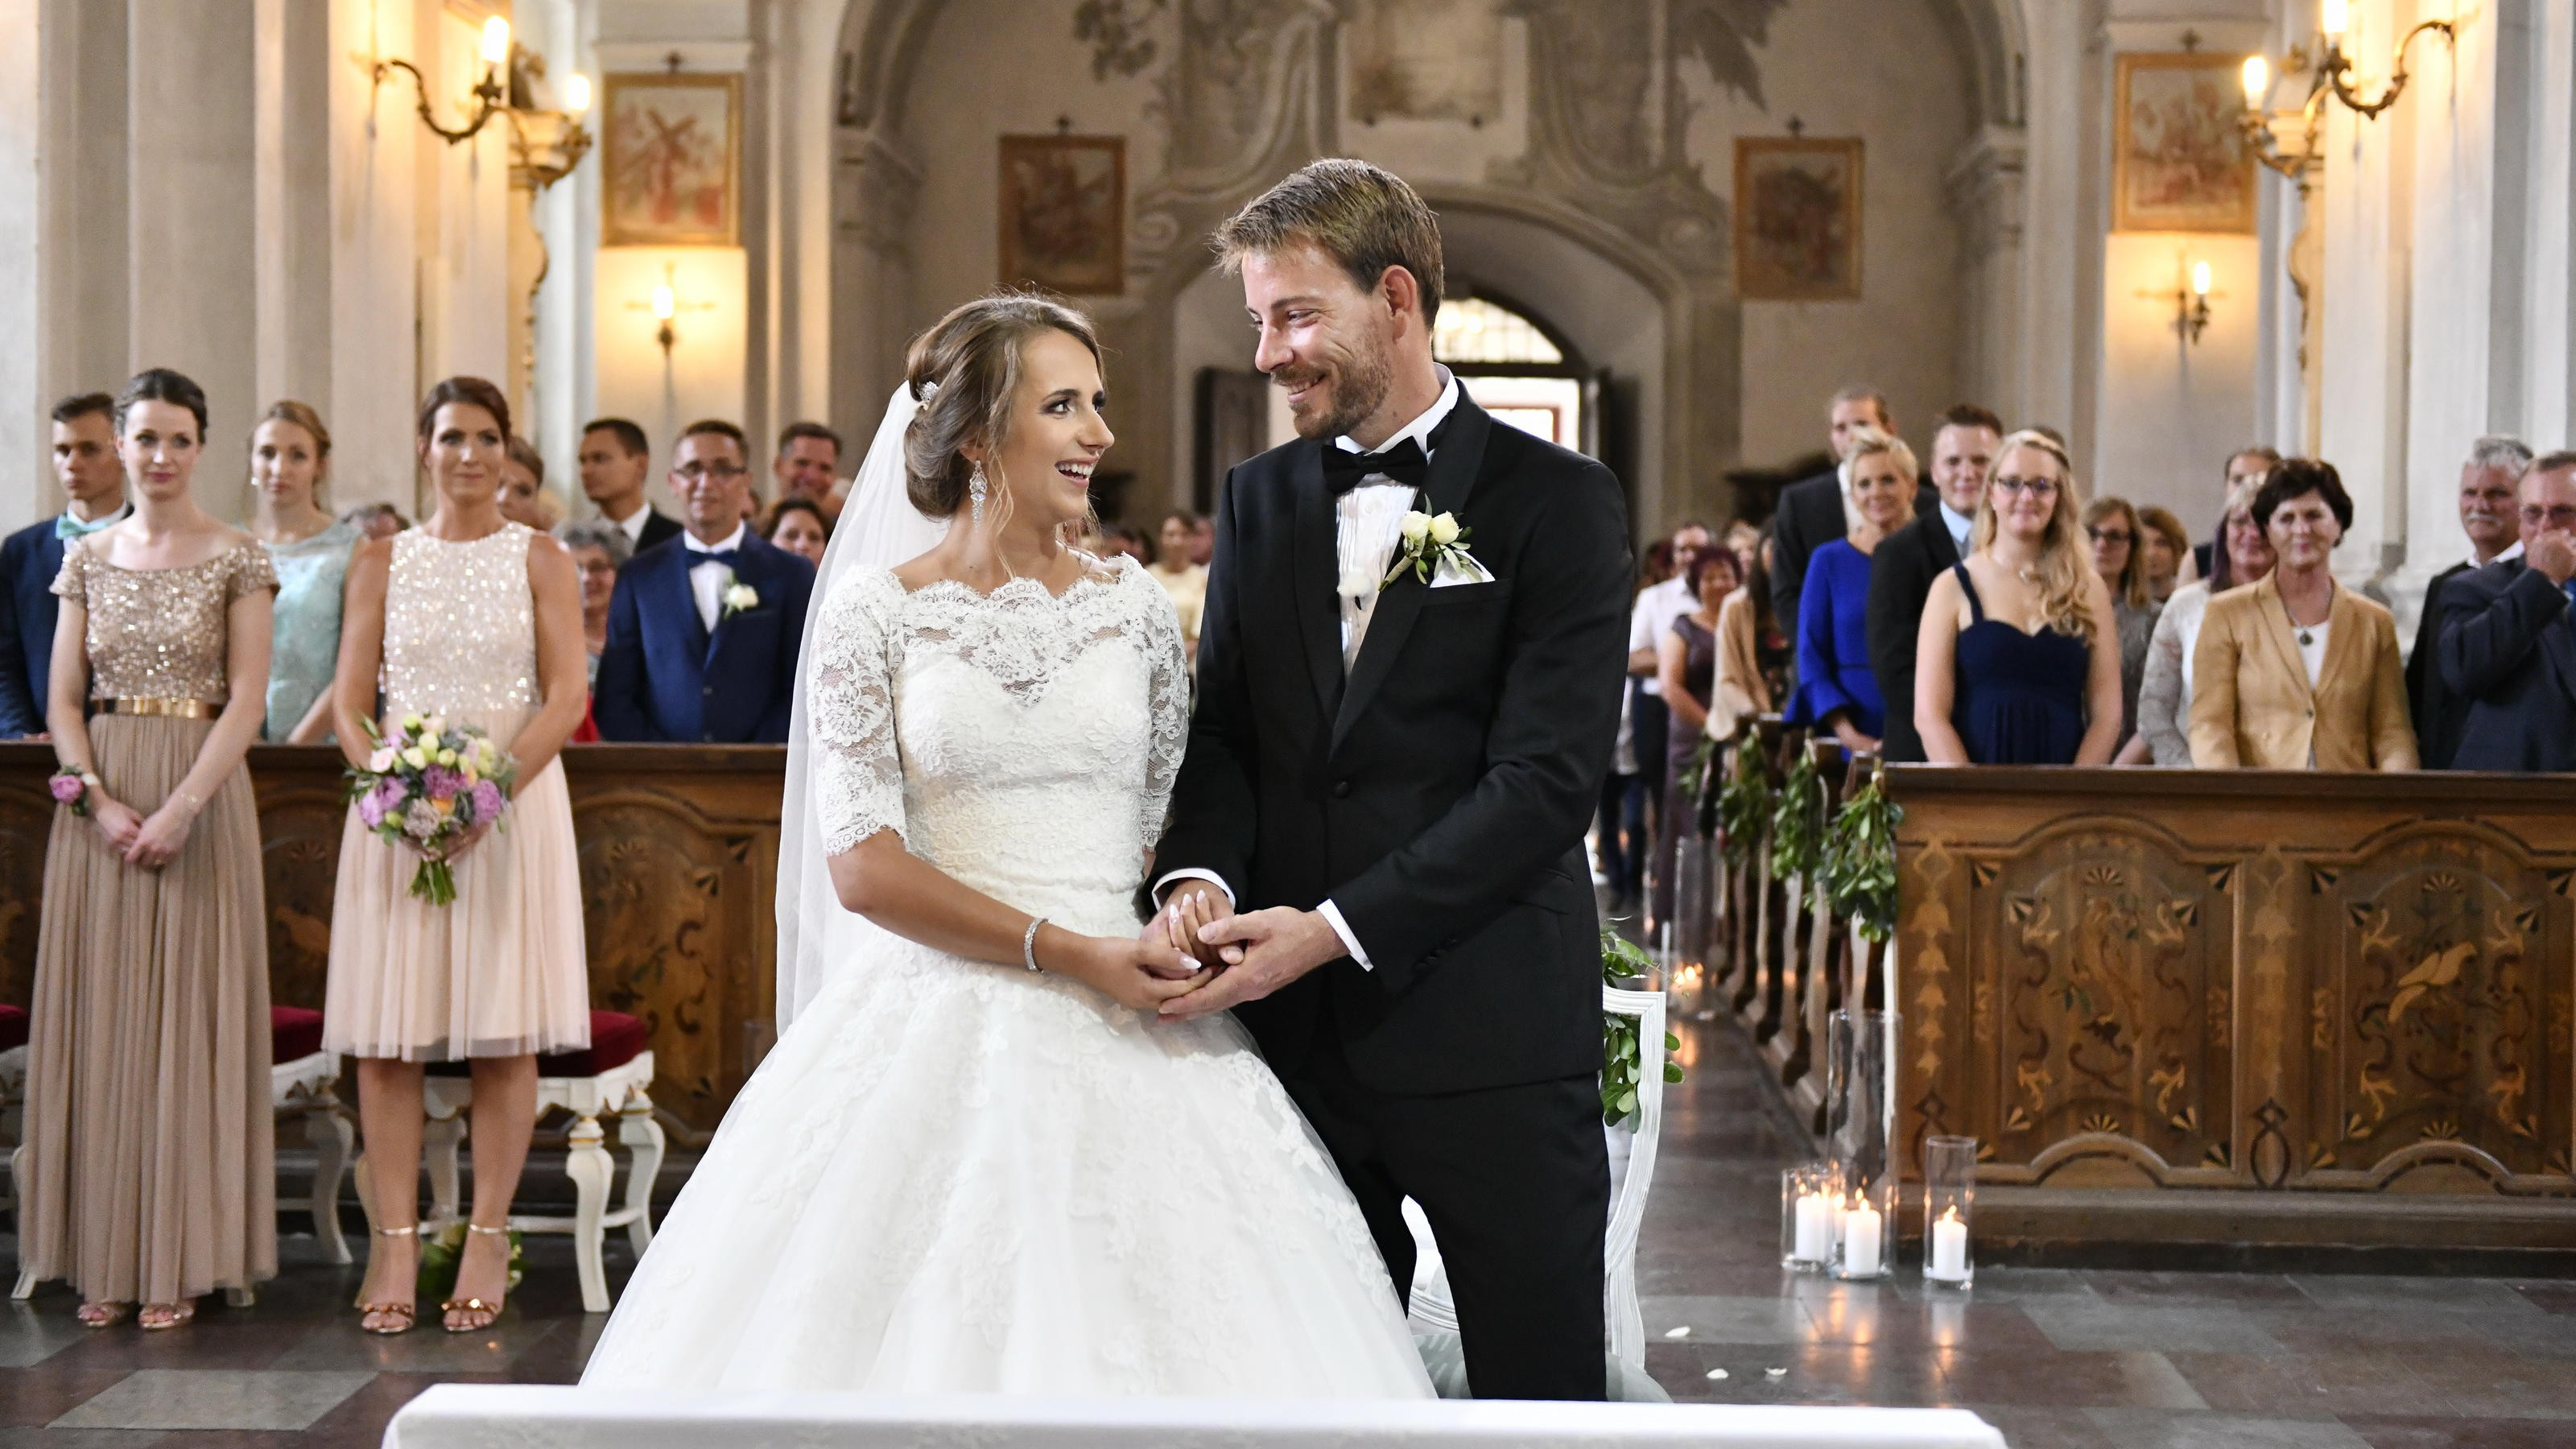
{"x":24,"y":486}
{"x":1986,"y":191}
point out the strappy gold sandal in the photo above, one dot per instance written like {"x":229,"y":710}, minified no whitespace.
{"x":103,"y":1315}
{"x":477,"y":1305}
{"x":181,"y":1315}
{"x":405,"y":1315}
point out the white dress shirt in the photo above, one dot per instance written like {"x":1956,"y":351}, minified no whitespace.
{"x":632,"y":525}
{"x":1368,"y":521}
{"x":1960,"y":526}
{"x":707,"y":578}
{"x":1658,"y":605}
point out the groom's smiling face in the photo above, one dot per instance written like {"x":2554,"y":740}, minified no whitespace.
{"x":1328,"y":343}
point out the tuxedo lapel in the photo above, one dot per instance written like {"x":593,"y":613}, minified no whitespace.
{"x":1451,"y":481}
{"x":1314,"y":575}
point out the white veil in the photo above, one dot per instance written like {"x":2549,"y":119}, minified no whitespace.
{"x":878,"y":528}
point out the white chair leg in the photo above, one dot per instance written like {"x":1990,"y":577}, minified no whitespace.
{"x":643,"y":1139}
{"x":439,"y":1137}
{"x":331,"y":1139}
{"x":588,"y":1165}
{"x":26,"y":1286}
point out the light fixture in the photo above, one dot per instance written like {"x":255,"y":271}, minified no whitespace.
{"x":2334,"y":18}
{"x":665,"y":305}
{"x":2261,"y":126}
{"x":2191,"y":305}
{"x":545,"y":144}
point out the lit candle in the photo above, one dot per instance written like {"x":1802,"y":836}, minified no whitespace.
{"x":2200,"y":279}
{"x":1861,"y":1241}
{"x":496,"y":41}
{"x":2334,"y":17}
{"x":2258,"y":81}
{"x":1815,"y":1227}
{"x":576,"y":93}
{"x":1949,"y":1247}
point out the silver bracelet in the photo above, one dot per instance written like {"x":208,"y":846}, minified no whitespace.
{"x":1029,"y":943}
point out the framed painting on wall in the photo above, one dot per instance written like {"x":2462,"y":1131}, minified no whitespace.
{"x":2178,"y":161}
{"x":671,"y":160}
{"x":1797,"y":218}
{"x":1063,"y":214}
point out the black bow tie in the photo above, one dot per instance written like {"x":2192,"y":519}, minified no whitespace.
{"x":1403,"y":463}
{"x":725,"y":556}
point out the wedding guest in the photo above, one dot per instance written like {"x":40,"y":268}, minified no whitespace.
{"x":524,"y":499}
{"x":2298,"y":672}
{"x":2164,"y":693}
{"x":1125,"y":539}
{"x":87,"y":465}
{"x":150,"y":1165}
{"x":1745,"y":542}
{"x":2019,"y":659}
{"x":2167,"y":543}
{"x":703,"y":634}
{"x":2116,"y":533}
{"x":1900,"y":577}
{"x":2488,"y":483}
{"x":808,"y":466}
{"x":1203,"y":541}
{"x":376,"y":520}
{"x":799,"y":525}
{"x":476,"y":619}
{"x":2243,"y":466}
{"x":599,"y":553}
{"x":290,"y":462}
{"x":1185,"y":581}
{"x":1817,"y":511}
{"x":615,"y":463}
{"x":1686,"y":664}
{"x":1753,"y":653}
{"x":1836,"y":691}
{"x":1657,"y":605}
{"x":2509,"y":644}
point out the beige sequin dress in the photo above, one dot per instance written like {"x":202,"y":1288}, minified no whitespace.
{"x":501,"y":971}
{"x":150,"y":1174}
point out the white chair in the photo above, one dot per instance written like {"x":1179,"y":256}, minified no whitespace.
{"x":1632,"y":1173}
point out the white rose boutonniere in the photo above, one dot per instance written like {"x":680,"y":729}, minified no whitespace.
{"x":739,"y":597}
{"x":1426,"y":541}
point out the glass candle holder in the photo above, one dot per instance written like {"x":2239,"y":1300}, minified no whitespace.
{"x":1810,"y":1198}
{"x":1949,"y":1204}
{"x":1860,"y":1124}
{"x":1691,"y":881}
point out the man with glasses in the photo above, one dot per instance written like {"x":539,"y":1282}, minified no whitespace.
{"x":2508,"y":642}
{"x":703,"y":631}
{"x":2487,"y":515}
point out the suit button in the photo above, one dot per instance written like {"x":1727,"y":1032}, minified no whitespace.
{"x":709,"y":692}
{"x":1341,"y":789}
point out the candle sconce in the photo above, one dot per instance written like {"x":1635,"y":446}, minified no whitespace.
{"x":2190,"y":298}
{"x":2333,"y":18}
{"x":545,"y":144}
{"x":666,"y":306}
{"x":2330,"y":75}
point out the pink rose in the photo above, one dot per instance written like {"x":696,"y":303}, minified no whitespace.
{"x":67,"y":788}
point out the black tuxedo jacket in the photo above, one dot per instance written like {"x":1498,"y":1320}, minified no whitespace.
{"x":2439,"y":710}
{"x":659,"y":528}
{"x":1900,"y":580}
{"x":1810,"y":516}
{"x":1438,"y":796}
{"x":2509,"y":647}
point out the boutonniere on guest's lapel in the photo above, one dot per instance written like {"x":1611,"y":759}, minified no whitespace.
{"x":739,"y":597}
{"x":1428,"y":542}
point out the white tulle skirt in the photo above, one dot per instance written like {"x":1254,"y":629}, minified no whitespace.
{"x":950,"y":1176}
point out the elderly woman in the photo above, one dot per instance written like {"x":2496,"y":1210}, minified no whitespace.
{"x":2239,"y":555}
{"x":599,"y":549}
{"x":1836,"y":690}
{"x":2297,"y":672}
{"x":2118,"y":537}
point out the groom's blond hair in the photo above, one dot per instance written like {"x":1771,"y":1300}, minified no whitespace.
{"x":1364,"y":217}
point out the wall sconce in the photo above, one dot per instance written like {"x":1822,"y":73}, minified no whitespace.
{"x":2190,"y":298}
{"x":2261,"y":126}
{"x":666,"y":306}
{"x":2333,"y":18}
{"x":545,"y":144}
{"x":487,"y":93}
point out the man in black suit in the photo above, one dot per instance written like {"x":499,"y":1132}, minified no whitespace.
{"x":615,"y":462}
{"x":1813,"y":512}
{"x":93,"y":479}
{"x":2487,"y":515}
{"x":2509,"y":637}
{"x":1902,"y":571}
{"x":2243,"y":465}
{"x":1392,"y":783}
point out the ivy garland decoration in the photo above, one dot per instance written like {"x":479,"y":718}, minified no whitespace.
{"x":1744,"y":801}
{"x":1622,"y":965}
{"x":1798,"y":822}
{"x":1860,"y":861}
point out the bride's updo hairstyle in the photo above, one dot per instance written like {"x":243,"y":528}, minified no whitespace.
{"x":965,"y":370}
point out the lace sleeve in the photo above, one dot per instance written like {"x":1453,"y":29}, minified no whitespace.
{"x":858,"y":768}
{"x":1167,"y":701}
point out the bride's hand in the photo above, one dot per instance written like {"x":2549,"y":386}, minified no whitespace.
{"x":1142,"y":973}
{"x":1193,"y":906}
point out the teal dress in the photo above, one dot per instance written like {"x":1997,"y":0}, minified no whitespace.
{"x":307,"y":648}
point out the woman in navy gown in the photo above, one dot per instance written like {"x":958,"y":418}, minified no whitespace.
{"x":2018,"y":662}
{"x":1836,"y":690}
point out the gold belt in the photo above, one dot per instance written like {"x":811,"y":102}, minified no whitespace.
{"x":168,"y":708}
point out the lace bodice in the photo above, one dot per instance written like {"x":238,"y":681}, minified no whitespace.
{"x":160,"y":633}
{"x":460,"y":624}
{"x":1024,"y":743}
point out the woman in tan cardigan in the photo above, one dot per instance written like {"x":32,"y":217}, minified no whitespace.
{"x":2295,"y":672}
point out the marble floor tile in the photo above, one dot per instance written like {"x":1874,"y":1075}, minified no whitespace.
{"x":2078,"y":1325}
{"x":213,"y":1399}
{"x":2123,"y":1379}
{"x":2413,"y":1295}
{"x":28,"y":1337}
{"x":2148,"y":1429}
{"x":2382,"y":1431}
{"x":2384,"y":1383}
{"x":2024,"y":1427}
{"x":2125,"y":1286}
{"x":14,"y":1437}
{"x":1726,"y":1320}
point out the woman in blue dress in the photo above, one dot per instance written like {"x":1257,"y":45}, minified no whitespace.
{"x":290,"y":455}
{"x":1836,"y":690}
{"x":2018,"y":661}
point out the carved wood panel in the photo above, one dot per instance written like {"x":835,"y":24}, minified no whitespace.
{"x":26,"y":823}
{"x":299,"y":838}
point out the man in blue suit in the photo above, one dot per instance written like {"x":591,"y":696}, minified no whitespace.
{"x":703,"y":630}
{"x":93,"y":478}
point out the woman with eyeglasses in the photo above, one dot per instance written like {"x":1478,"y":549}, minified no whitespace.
{"x":1837,"y":691}
{"x":2239,"y":555}
{"x":2018,"y":661}
{"x":2297,"y":672}
{"x":2117,"y":536}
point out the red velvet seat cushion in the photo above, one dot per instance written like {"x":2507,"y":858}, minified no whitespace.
{"x":615,"y":1040}
{"x":293,"y":1032}
{"x":13,"y":1027}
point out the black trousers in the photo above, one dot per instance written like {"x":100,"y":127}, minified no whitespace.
{"x":1516,"y":1184}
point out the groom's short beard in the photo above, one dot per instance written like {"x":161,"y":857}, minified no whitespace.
{"x":1360,"y":385}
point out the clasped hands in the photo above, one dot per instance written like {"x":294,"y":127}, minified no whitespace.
{"x":1241,"y":957}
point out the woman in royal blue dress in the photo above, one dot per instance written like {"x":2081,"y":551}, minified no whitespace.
{"x":1836,"y":690}
{"x":2018,"y":661}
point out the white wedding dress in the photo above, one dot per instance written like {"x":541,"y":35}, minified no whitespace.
{"x":953,"y":1176}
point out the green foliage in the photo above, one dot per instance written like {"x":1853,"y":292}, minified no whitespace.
{"x":442,"y":1251}
{"x":1693,"y":778}
{"x":1860,"y":861}
{"x":1744,"y":801}
{"x":1798,"y":822}
{"x":1623,"y":964}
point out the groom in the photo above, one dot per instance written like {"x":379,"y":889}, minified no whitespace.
{"x":1391,"y":785}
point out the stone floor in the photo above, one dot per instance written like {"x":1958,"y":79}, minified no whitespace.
{"x":2059,"y":1359}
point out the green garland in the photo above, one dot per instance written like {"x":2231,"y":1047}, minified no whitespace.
{"x":1798,"y":822}
{"x":1860,"y":861}
{"x":1622,"y":964}
{"x":1744,"y":801}
{"x":1695,"y":774}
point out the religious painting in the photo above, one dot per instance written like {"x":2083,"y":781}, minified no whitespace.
{"x":2179,"y":162}
{"x":1426,"y":60}
{"x":672,"y":160}
{"x":1797,"y":218}
{"x":1064,"y":205}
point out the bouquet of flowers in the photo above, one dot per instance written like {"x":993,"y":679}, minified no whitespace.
{"x":426,"y":787}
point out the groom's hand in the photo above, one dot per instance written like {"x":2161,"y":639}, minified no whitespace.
{"x":1193,"y":907}
{"x":1279,"y":945}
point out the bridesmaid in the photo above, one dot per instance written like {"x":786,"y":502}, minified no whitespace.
{"x":477,"y":618}
{"x":150,"y":1170}
{"x":290,"y":459}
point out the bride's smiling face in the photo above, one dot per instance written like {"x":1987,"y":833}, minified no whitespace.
{"x":1056,"y":433}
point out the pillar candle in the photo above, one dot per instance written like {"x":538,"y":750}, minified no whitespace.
{"x":1815,"y":1218}
{"x":1949,"y":1247}
{"x":1861,"y":1240}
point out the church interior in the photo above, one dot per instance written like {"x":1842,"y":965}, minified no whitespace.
{"x":2266,"y":1077}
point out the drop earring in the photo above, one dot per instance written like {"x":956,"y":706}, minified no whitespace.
{"x":975,"y":490}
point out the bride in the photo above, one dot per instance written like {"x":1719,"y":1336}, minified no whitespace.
{"x":976,"y":1162}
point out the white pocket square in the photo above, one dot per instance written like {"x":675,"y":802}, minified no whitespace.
{"x":1450,"y":575}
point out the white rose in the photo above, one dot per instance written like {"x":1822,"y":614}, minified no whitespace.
{"x":435,"y":724}
{"x":739,"y":597}
{"x":381,"y":761}
{"x":1417,"y":527}
{"x":1444,"y":530}
{"x":447,"y":758}
{"x":1356,"y":584}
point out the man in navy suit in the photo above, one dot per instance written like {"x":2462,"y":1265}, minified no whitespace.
{"x":93,"y":478}
{"x":703,"y":630}
{"x":2509,"y":637}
